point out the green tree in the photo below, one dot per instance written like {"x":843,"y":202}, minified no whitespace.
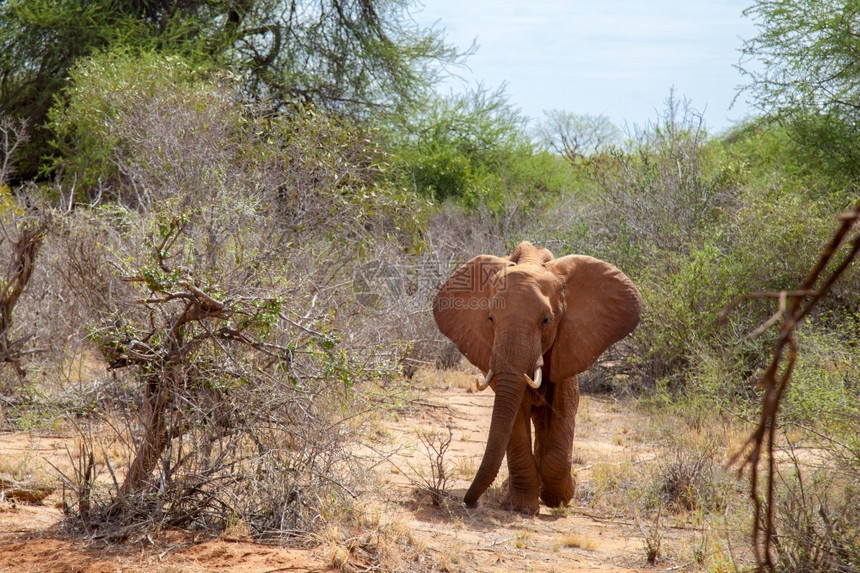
{"x":352,"y":57}
{"x":453,"y":147}
{"x":804,"y":70}
{"x":39,"y":40}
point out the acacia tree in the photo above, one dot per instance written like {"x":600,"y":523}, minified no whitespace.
{"x":353,"y":57}
{"x":804,"y":70}
{"x":577,"y":137}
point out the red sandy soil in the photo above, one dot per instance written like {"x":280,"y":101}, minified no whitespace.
{"x":449,"y":539}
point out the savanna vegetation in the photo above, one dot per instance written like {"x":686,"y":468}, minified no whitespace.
{"x":223,"y":223}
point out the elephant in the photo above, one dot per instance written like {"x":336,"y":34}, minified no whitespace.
{"x":532,"y":313}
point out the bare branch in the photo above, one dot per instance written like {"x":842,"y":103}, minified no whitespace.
{"x":13,"y":134}
{"x":775,"y":379}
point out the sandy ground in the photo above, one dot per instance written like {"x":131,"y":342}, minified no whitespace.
{"x":490,"y":539}
{"x":449,"y":538}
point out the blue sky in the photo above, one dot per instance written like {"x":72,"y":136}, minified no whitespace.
{"x":618,"y":58}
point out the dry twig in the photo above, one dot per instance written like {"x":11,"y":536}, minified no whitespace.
{"x":775,"y":379}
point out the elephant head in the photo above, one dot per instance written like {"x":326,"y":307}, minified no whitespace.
{"x":532,"y":320}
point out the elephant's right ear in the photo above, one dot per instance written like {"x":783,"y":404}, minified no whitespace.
{"x":462,"y":304}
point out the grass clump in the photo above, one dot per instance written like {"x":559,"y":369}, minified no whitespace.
{"x":691,"y":475}
{"x":579,"y":541}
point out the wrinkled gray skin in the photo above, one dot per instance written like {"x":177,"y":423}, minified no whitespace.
{"x":516,"y":315}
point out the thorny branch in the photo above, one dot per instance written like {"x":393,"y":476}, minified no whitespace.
{"x":775,"y":378}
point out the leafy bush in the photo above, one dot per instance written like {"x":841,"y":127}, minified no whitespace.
{"x":109,"y":92}
{"x":802,"y":72}
{"x":823,"y":392}
{"x":473,"y":150}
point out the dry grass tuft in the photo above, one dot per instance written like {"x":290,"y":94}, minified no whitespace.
{"x":579,"y":541}
{"x":373,"y":543}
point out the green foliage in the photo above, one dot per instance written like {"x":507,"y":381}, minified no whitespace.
{"x":721,"y":378}
{"x":346,"y":57}
{"x":803,"y":69}
{"x":40,"y":40}
{"x":823,"y":392}
{"x":454,"y":146}
{"x":697,"y":222}
{"x":795,"y":230}
{"x":472,"y":149}
{"x":140,"y":127}
{"x":43,"y":39}
{"x":766,"y":155}
{"x":105,"y":94}
{"x":354,"y":59}
{"x":683,"y":304}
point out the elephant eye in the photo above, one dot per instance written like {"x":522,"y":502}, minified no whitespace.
{"x":490,"y":317}
{"x":546,"y":321}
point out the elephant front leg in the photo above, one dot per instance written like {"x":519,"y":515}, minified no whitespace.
{"x":554,"y":429}
{"x":523,"y":480}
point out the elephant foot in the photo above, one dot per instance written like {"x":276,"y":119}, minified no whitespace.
{"x":521,"y":503}
{"x":559,"y":495}
{"x":554,"y":499}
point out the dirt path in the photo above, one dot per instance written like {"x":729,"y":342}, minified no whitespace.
{"x":490,"y":539}
{"x":450,"y":538}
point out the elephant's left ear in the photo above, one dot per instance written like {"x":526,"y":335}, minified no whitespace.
{"x":602,"y":307}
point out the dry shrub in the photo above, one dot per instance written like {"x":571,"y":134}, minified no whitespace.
{"x":690,"y":476}
{"x":243,"y":406}
{"x":397,"y":288}
{"x":219,"y":287}
{"x":22,"y":234}
{"x":376,"y":544}
{"x":817,"y":517}
{"x":435,"y":444}
{"x":22,"y":237}
{"x":657,"y":194}
{"x":13,"y":135}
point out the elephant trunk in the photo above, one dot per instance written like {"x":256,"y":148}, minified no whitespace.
{"x":510,"y":388}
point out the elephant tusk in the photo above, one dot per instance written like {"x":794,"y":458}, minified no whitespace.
{"x":536,"y":383}
{"x":482,"y":385}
